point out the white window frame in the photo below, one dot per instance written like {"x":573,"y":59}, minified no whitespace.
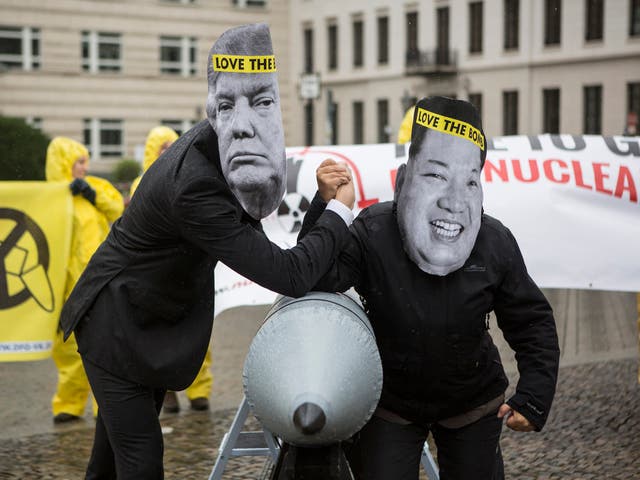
{"x":183,"y":66}
{"x":97,"y":150}
{"x":93,"y":63}
{"x":26,"y":59}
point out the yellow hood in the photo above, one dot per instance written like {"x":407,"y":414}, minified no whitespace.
{"x":62,"y":153}
{"x":156,"y":138}
{"x":404,"y":132}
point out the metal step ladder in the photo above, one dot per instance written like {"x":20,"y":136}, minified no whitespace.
{"x":429,"y":464}
{"x":237,"y":443}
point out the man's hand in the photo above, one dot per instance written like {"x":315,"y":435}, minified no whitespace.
{"x":346,"y":194}
{"x":330,"y":175}
{"x":515,"y":421}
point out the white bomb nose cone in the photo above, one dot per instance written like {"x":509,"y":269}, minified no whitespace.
{"x":313,"y":374}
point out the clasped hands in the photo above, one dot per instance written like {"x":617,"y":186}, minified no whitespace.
{"x":335,"y":182}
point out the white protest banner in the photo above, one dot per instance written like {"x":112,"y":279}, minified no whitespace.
{"x":570,"y":201}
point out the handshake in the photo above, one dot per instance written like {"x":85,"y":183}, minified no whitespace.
{"x":335,"y":182}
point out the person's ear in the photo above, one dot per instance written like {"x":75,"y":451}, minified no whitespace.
{"x":399,"y":180}
{"x":210,"y":109}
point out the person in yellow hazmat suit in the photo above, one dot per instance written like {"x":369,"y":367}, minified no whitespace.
{"x":158,"y":140}
{"x":96,"y":204}
{"x":404,"y":132}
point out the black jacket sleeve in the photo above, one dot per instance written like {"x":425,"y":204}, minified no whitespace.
{"x":313,"y":214}
{"x":208,"y":218}
{"x":346,"y":271}
{"x":526,"y":320}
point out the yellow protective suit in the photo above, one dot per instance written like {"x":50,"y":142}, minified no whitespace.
{"x":90,"y":228}
{"x":404,"y":132}
{"x":155,"y":140}
{"x":201,"y":386}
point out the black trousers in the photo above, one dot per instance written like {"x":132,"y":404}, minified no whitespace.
{"x":128,"y":440}
{"x":389,"y":451}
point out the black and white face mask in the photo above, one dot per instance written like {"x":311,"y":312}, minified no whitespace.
{"x":439,"y":194}
{"x":243,"y":107}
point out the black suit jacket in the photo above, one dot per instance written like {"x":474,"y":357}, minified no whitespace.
{"x":143,"y":308}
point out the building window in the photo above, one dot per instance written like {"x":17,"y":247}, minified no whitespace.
{"x":383,"y":120}
{"x":442,"y":47}
{"x":333,"y":118}
{"x":307,"y":39}
{"x":358,"y":43}
{"x":413,"y":54}
{"x":511,"y":24}
{"x":551,"y":110}
{"x":34,"y":122}
{"x":358,"y":122}
{"x":633,"y":109}
{"x":104,"y":137}
{"x":475,"y":27}
{"x":20,"y":47}
{"x":595,"y":20}
{"x":249,"y":3}
{"x":476,"y":100}
{"x":180,"y":126}
{"x":634,"y":17}
{"x":510,"y":112}
{"x":101,"y":52}
{"x":178,"y":55}
{"x":332,"y":38}
{"x":383,"y":40}
{"x":308,"y":123}
{"x":552,"y":22}
{"x":593,"y":110}
{"x":633,"y":97}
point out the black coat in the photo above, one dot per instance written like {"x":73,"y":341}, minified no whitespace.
{"x":437,"y":355}
{"x":143,"y":308}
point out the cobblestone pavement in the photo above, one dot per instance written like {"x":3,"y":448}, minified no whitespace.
{"x":593,"y":433}
{"x":593,"y":430}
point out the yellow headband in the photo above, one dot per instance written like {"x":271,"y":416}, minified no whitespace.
{"x":450,"y":126}
{"x":244,"y":63}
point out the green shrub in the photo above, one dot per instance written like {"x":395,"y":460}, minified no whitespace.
{"x":23,"y":150}
{"x":126,"y":170}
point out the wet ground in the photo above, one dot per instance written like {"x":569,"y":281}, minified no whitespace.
{"x":593,"y":430}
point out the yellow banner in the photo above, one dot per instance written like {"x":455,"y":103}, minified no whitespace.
{"x":449,"y":125}
{"x":35,"y":238}
{"x":244,"y":63}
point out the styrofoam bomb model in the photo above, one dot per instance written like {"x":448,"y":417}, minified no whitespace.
{"x":313,"y":374}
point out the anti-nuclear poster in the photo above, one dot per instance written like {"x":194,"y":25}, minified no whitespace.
{"x":35,"y":237}
{"x":571,"y":202}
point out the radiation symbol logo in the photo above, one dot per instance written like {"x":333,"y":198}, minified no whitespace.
{"x":24,"y":262}
{"x":291,"y":211}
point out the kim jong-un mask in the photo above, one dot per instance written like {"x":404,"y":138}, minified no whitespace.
{"x":438,"y":191}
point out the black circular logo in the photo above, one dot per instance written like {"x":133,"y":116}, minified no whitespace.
{"x":291,"y":211}
{"x":35,"y":282}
